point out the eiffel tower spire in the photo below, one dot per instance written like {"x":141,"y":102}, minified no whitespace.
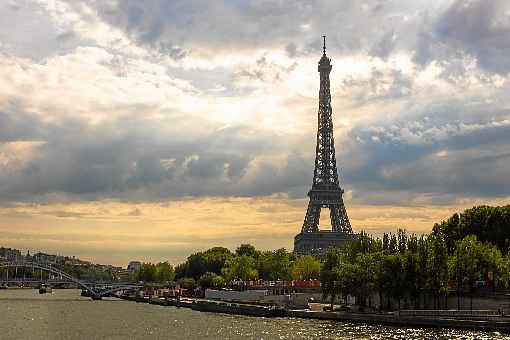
{"x":326,"y":191}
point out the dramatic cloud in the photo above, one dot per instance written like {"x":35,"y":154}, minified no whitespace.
{"x":137,"y":103}
{"x":481,"y":29}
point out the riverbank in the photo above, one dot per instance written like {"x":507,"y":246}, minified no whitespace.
{"x":496,"y":324}
{"x":488,"y":322}
{"x":212,"y":306}
{"x":64,"y":315}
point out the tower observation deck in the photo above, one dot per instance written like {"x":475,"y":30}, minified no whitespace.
{"x":326,"y":191}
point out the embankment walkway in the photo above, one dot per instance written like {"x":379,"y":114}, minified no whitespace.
{"x":487,"y":321}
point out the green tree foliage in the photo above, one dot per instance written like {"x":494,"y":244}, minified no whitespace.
{"x":363,"y":276}
{"x":412,"y":276}
{"x":187,"y":282}
{"x":400,"y":267}
{"x":218,"y":281}
{"x":438,"y":265}
{"x":345,"y":274}
{"x":196,"y":266}
{"x":473,"y":260}
{"x":488,"y":224}
{"x":468,"y":261}
{"x":146,"y":273}
{"x":331,"y":275}
{"x":216,"y":258}
{"x":240,"y":268}
{"x":275,"y":265}
{"x":363,"y":244}
{"x":269,"y":265}
{"x":211,"y":280}
{"x":247,"y":250}
{"x":160,"y":272}
{"x":213,"y":260}
{"x":393,"y":244}
{"x":393,"y":276}
{"x":306,"y":268}
{"x":180,"y":270}
{"x":164,"y":272}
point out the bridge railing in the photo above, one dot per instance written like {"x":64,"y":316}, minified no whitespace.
{"x":91,"y":287}
{"x":451,"y":313}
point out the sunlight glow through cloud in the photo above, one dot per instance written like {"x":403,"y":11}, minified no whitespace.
{"x":121,"y":116}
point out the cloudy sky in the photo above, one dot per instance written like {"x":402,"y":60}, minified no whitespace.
{"x":151,"y":129}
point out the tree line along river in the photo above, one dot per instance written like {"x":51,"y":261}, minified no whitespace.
{"x":64,"y":314}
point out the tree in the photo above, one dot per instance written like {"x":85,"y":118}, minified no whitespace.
{"x":164,"y":272}
{"x":211,"y":280}
{"x":467,"y":265}
{"x":240,"y":268}
{"x":218,"y":281}
{"x":450,"y":230}
{"x":187,"y":282}
{"x":378,"y":277}
{"x":306,"y":268}
{"x":363,"y":243}
{"x":393,"y":246}
{"x":402,"y":241}
{"x":196,"y":265}
{"x":180,"y":270}
{"x":146,"y":273}
{"x":386,"y":242}
{"x":275,"y":265}
{"x":212,"y":260}
{"x":393,"y":276}
{"x":493,"y":262}
{"x":363,"y":277}
{"x":488,"y":224}
{"x":438,"y":266}
{"x":411,"y":274}
{"x":346,"y":278}
{"x":215,"y":259}
{"x":504,"y":275}
{"x":330,"y":276}
{"x":422,"y":254}
{"x":247,"y":250}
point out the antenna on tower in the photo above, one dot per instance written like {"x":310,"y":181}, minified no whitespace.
{"x":324,"y":47}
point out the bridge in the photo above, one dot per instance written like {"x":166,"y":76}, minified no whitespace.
{"x":96,"y":290}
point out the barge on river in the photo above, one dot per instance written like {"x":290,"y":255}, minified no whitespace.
{"x":236,"y":308}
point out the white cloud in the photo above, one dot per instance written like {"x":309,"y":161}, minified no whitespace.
{"x":136,"y":89}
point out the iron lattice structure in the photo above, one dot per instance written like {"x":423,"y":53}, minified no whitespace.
{"x":95,"y":293}
{"x":326,"y":191}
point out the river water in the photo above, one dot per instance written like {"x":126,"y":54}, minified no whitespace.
{"x":64,"y":314}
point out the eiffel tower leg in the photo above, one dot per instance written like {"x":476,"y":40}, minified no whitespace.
{"x":334,"y":214}
{"x":346,"y":225}
{"x":313,"y":213}
{"x":339,"y":220}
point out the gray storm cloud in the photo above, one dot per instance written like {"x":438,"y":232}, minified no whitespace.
{"x":450,"y":135}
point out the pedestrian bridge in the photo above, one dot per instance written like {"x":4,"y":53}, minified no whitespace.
{"x":93,"y":288}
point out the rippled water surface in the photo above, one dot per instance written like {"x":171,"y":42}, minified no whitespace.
{"x":24,"y":314}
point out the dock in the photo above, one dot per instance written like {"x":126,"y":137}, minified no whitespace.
{"x":469,"y":321}
{"x":495,"y":323}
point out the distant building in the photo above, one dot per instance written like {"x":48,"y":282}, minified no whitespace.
{"x":45,"y":258}
{"x":10,"y":254}
{"x":133,"y":266}
{"x":123,"y":275}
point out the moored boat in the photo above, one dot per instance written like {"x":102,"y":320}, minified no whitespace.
{"x":237,"y":308}
{"x":86,"y":293}
{"x":44,"y":289}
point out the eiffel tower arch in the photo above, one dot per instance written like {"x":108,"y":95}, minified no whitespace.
{"x":326,"y":191}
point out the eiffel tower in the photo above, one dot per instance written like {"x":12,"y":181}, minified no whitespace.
{"x":326,"y":191}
